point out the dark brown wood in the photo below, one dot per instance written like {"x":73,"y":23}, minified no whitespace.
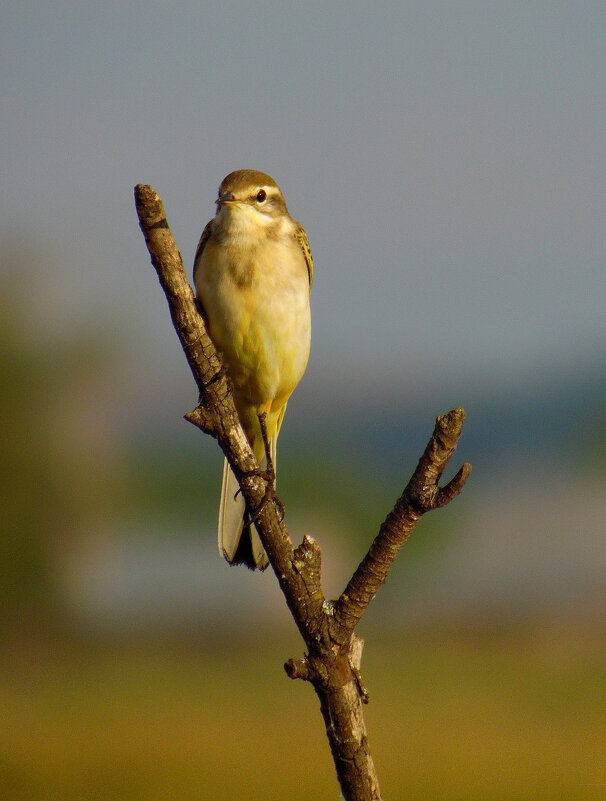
{"x":332,"y":661}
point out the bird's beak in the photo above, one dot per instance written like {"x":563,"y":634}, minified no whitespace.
{"x":228,"y":197}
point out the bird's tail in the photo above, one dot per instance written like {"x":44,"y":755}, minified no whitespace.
{"x":239,"y":542}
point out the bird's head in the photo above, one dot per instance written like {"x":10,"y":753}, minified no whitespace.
{"x":250,"y":196}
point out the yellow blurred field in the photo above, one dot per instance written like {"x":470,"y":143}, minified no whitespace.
{"x":510,"y":715}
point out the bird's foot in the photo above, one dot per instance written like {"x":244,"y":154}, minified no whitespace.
{"x":269,"y":477}
{"x":268,"y":496}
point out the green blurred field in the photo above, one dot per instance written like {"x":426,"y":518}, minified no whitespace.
{"x":509,"y":715}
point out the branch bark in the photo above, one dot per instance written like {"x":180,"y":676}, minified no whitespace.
{"x":332,"y":661}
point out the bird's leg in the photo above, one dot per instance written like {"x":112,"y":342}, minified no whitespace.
{"x":271,"y":473}
{"x":268,"y":475}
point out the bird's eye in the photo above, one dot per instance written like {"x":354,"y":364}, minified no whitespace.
{"x":261,"y":195}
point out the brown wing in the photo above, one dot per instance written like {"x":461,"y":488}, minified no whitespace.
{"x":201,"y":245}
{"x":301,"y":238}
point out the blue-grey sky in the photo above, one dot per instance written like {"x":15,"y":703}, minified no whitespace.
{"x":447,"y":159}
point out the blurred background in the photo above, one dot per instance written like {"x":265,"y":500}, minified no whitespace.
{"x":448,"y":162}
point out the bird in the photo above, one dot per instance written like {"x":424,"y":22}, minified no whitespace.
{"x":253,"y":272}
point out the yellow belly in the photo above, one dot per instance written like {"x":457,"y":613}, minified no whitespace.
{"x":257,"y":305}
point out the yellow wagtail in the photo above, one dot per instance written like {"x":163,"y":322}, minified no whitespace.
{"x":253,"y":272}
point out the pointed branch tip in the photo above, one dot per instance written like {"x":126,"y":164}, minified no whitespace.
{"x":454,"y":486}
{"x":201,"y":418}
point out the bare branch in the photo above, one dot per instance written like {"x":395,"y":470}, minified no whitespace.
{"x":189,"y":324}
{"x":422,"y":494}
{"x":332,"y":663}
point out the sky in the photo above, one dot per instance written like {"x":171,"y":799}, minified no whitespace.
{"x":448,"y":161}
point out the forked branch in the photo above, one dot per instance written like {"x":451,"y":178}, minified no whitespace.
{"x":334,"y":651}
{"x":422,"y":494}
